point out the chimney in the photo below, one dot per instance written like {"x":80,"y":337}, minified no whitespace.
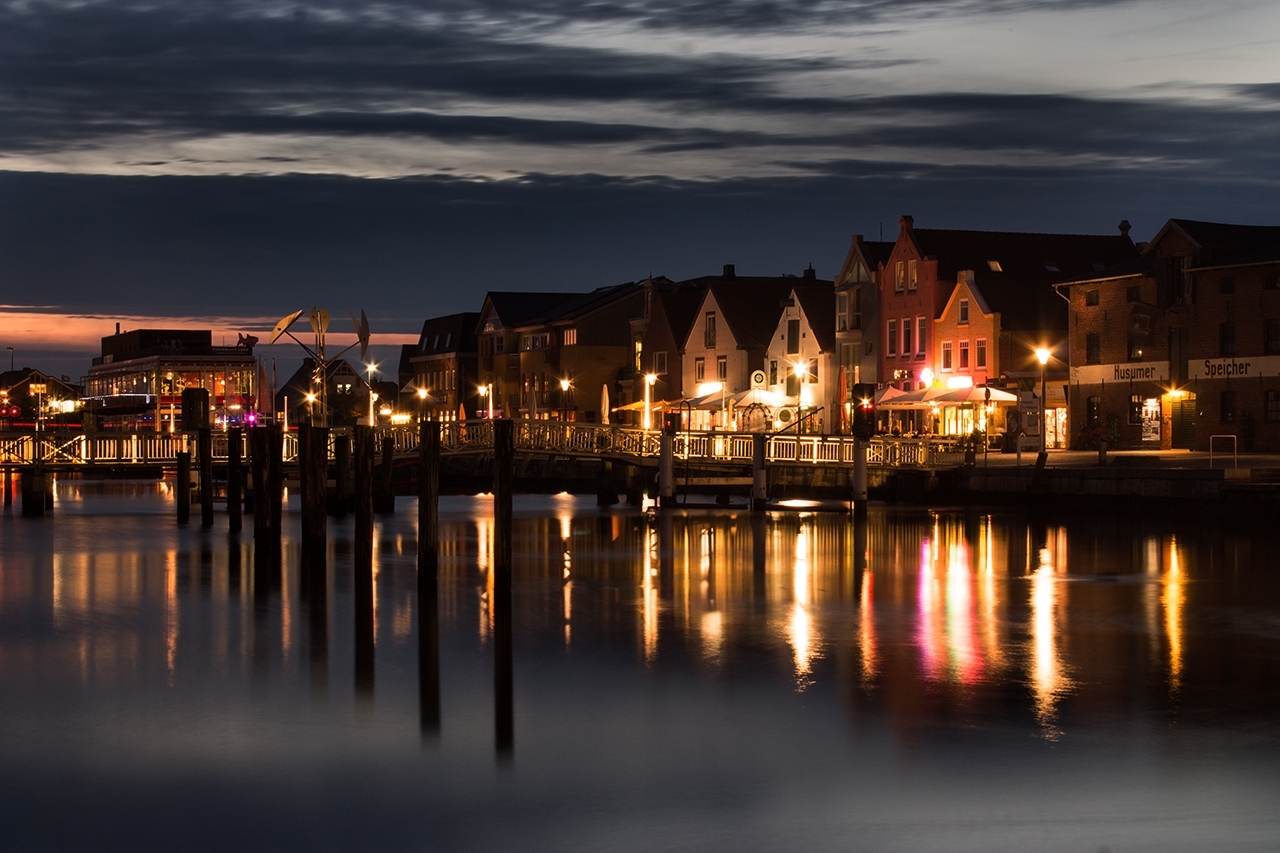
{"x":728,"y":271}
{"x":811,"y":273}
{"x":906,"y":223}
{"x":1124,"y":228}
{"x":117,"y":328}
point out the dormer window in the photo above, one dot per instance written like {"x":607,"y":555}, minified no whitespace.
{"x":995,"y":266}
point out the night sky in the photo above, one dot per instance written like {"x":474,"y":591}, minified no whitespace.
{"x":227,"y":162}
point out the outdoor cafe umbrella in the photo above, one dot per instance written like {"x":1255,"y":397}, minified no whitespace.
{"x":974,"y":394}
{"x":922,"y":399}
{"x":604,"y":403}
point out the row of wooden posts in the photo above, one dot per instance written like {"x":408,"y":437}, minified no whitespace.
{"x":267,"y":484}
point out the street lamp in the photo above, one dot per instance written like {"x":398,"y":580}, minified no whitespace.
{"x":486,"y":391}
{"x":799,"y":369}
{"x":372,"y":369}
{"x":564,"y":400}
{"x":422,"y":402}
{"x":311,"y":399}
{"x":650,"y":379}
{"x":1042,"y":356}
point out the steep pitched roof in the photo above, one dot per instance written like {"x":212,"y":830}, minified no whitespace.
{"x":1015,"y":271}
{"x":517,"y":307}
{"x":579,"y":305}
{"x":818,"y":303}
{"x":680,"y":309}
{"x":1225,"y":236}
{"x":873,"y":253}
{"x":450,"y":333}
{"x":1264,"y":255}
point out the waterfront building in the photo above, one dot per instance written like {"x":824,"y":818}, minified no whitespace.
{"x":1181,"y":344}
{"x":29,"y":396}
{"x":499,"y":368}
{"x":137,"y":382}
{"x":346,"y":394}
{"x":800,"y":366}
{"x":444,"y":364}
{"x":571,"y":352}
{"x":858,"y":309}
{"x":658,"y":338}
{"x":731,"y":333}
{"x":943,"y":292}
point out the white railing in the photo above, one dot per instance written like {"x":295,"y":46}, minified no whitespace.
{"x":460,"y":437}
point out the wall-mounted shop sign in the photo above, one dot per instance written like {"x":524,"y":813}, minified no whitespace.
{"x":1234,"y":368}
{"x":1131,"y":371}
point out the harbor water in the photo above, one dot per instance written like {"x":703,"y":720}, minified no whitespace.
{"x":700,"y":679}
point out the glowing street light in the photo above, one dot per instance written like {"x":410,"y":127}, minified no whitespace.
{"x":372,"y":368}
{"x":650,"y":379}
{"x":486,"y":391}
{"x":565,"y":385}
{"x":422,"y":402}
{"x":1042,"y":356}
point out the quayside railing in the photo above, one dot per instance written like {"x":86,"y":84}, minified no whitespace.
{"x":476,"y":437}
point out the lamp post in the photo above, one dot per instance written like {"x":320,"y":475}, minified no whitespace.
{"x":649,"y":380}
{"x":486,"y":391}
{"x":564,"y":399}
{"x":311,"y":399}
{"x":422,"y":403}
{"x":1042,"y":356}
{"x":371,"y":368}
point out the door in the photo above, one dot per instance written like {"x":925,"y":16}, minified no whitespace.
{"x":1183,"y":414}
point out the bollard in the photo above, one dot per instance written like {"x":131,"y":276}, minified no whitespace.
{"x":504,"y":459}
{"x":313,"y":469}
{"x":759,"y":475}
{"x":183,"y":487}
{"x":204,"y":458}
{"x":341,"y":502}
{"x":235,"y":481}
{"x":428,"y":501}
{"x":666,"y":471}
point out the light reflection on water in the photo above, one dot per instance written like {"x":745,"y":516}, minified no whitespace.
{"x":789,"y":681}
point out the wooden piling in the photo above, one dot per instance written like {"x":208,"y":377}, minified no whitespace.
{"x":428,"y":501}
{"x":33,"y":486}
{"x":364,"y":438}
{"x":313,"y":469}
{"x":275,"y":479}
{"x":363,"y":575}
{"x":341,"y":502}
{"x":667,"y":471}
{"x":504,"y":462}
{"x":606,"y":488}
{"x":428,"y":659}
{"x":204,"y":458}
{"x":759,"y":474}
{"x":258,"y":444}
{"x":183,"y":487}
{"x":235,"y":481}
{"x":385,"y":497}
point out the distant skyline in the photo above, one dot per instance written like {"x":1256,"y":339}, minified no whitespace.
{"x":245,"y":159}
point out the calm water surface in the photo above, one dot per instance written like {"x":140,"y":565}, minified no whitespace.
{"x":941,"y":680}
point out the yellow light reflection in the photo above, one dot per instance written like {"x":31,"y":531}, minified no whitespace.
{"x":649,"y":592}
{"x":800,"y":632}
{"x":867,"y":630}
{"x":171,"y":614}
{"x":1173,"y":601}
{"x":1048,"y":680}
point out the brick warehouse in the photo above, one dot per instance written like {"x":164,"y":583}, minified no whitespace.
{"x":1182,"y":344}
